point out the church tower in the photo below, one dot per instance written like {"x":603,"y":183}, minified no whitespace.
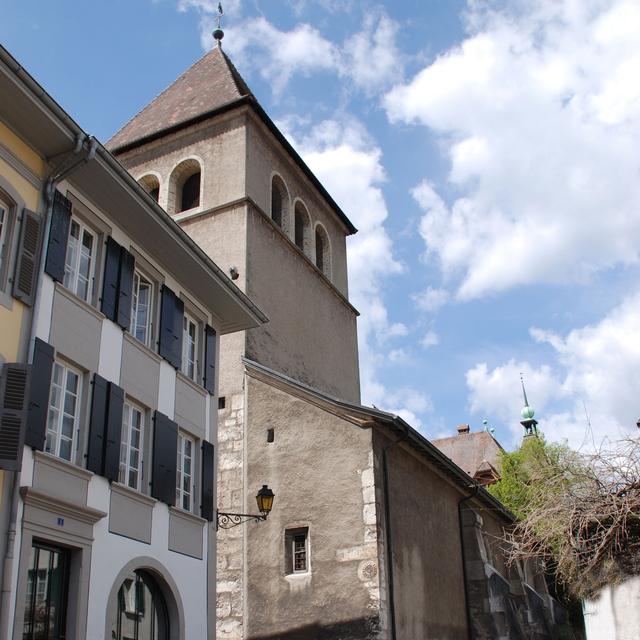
{"x":211,"y":156}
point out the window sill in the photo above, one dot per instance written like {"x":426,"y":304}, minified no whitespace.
{"x":134,"y":342}
{"x":187,"y":213}
{"x":64,"y":465}
{"x":72,"y":297}
{"x":194,"y":385}
{"x":186,"y":515}
{"x":133,"y":494}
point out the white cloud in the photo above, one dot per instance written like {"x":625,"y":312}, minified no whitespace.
{"x":595,"y":374}
{"x":369,"y":58}
{"x":430,"y":339}
{"x":538,"y":110}
{"x":431,"y":299}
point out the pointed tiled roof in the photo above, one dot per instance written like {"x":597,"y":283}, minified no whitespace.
{"x":212,"y":82}
{"x":207,"y":88}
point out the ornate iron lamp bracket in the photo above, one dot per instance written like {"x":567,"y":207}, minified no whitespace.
{"x":228,"y":520}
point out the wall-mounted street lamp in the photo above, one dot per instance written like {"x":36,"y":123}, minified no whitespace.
{"x":264,"y":498}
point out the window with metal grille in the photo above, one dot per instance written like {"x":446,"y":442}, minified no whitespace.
{"x":296,"y":547}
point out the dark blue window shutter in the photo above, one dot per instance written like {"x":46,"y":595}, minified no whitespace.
{"x":206,"y":500}
{"x":210,"y":359}
{"x":27,"y":260}
{"x":58,"y":237}
{"x":113,"y":432}
{"x":14,"y":384}
{"x":110,"y":281}
{"x":171,"y":318}
{"x":165,"y":456}
{"x":97,"y":420}
{"x":125,"y":288}
{"x":178,"y":324}
{"x":39,"y":388}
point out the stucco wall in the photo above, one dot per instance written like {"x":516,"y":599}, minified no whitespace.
{"x":311,"y":335}
{"x":320,"y":468}
{"x":615,"y":614}
{"x":265,"y":158}
{"x":427,"y":565}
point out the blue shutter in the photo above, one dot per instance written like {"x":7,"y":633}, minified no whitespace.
{"x":95,"y":450}
{"x":125,"y":288}
{"x":210,"y":359}
{"x":206,"y":501}
{"x":110,"y":282}
{"x":58,"y":237}
{"x":113,"y":432}
{"x":165,"y":457}
{"x":39,"y":389}
{"x":171,"y":318}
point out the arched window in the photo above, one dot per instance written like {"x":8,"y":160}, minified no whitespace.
{"x":151,"y":185}
{"x":191,"y":192}
{"x":184,"y":186}
{"x":279,"y":203}
{"x":323,"y":258}
{"x":301,"y":227}
{"x":142,"y":611}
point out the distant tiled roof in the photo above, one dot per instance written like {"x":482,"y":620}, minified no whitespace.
{"x":209,"y":84}
{"x":472,"y":452}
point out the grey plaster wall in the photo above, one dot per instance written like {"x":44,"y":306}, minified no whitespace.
{"x":320,"y":469}
{"x":427,"y":565}
{"x":311,"y":335}
{"x":219,"y":146}
{"x":266,"y":157}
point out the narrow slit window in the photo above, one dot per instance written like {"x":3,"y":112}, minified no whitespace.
{"x":271,"y":436}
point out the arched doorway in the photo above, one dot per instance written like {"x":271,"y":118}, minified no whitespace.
{"x":142,"y":610}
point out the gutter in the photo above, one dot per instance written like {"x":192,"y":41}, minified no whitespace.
{"x":467,"y":609}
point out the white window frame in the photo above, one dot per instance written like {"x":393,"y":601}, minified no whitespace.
{"x":6,"y":228}
{"x":139,"y":275}
{"x":56,"y":414}
{"x":72,"y":271}
{"x":183,"y":439}
{"x":126,"y":447}
{"x":187,"y":362}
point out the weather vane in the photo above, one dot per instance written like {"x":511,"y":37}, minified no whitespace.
{"x":218,"y":33}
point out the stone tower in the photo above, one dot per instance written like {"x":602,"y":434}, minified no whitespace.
{"x":211,"y":156}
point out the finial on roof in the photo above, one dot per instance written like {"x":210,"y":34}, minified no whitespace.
{"x":218,"y":33}
{"x":527,"y":413}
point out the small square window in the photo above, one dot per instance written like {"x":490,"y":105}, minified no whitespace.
{"x":296,"y":550}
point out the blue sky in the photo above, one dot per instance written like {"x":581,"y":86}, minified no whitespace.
{"x":487,"y":151}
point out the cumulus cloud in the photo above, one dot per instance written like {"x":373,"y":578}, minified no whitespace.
{"x":431,"y":299}
{"x":538,"y":111}
{"x":593,"y":380}
{"x":430,"y":339}
{"x":369,"y":58}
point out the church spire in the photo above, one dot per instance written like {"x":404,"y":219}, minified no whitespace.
{"x":528,"y":421}
{"x":218,"y":33}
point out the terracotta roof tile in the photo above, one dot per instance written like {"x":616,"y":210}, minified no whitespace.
{"x":210,"y":83}
{"x":472,"y":452}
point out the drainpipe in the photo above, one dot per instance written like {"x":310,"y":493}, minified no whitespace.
{"x":56,"y":176}
{"x":388,"y":537}
{"x":473,"y":494}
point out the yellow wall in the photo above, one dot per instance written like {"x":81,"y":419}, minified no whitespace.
{"x":11,"y":319}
